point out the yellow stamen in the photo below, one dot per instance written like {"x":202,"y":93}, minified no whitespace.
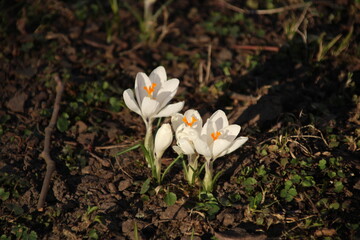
{"x":150,"y":89}
{"x":215,"y":135}
{"x":193,"y":120}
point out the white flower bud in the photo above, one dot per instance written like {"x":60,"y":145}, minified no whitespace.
{"x":163,"y":140}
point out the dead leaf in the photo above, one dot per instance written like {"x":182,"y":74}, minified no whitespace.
{"x":86,"y":138}
{"x":82,"y":127}
{"x":357,"y":185}
{"x":325,"y":232}
{"x":16,"y":103}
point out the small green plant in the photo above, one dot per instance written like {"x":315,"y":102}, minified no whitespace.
{"x":170,"y":198}
{"x":324,"y":49}
{"x":147,"y":21}
{"x":3,"y":194}
{"x":23,"y":233}
{"x":208,"y":204}
{"x":289,"y":191}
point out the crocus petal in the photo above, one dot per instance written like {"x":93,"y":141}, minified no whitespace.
{"x":189,"y":114}
{"x":219,"y":146}
{"x":202,"y":148}
{"x":167,"y":92}
{"x":163,"y":140}
{"x":158,"y":75}
{"x":236,"y":144}
{"x":220,"y":119}
{"x":130,"y":101}
{"x":176,"y":121}
{"x":149,"y":107}
{"x":170,"y":110}
{"x":186,"y":146}
{"x":141,"y":81}
{"x":230,"y":132}
{"x":208,"y":128}
{"x":177,"y":149}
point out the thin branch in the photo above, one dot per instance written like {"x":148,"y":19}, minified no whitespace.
{"x":208,"y":65}
{"x":266,"y":11}
{"x":257,"y":48}
{"x":50,"y":164}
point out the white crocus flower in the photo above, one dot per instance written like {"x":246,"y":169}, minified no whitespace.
{"x":187,"y":129}
{"x":163,"y":140}
{"x":217,"y":138}
{"x":152,"y":95}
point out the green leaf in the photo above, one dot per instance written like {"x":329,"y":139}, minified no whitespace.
{"x":4,"y":195}
{"x":212,"y":209}
{"x":261,"y":171}
{"x":322,"y":164}
{"x":295,"y":179}
{"x":332,"y":174}
{"x":129,"y":149}
{"x":288,"y":184}
{"x":338,"y":186}
{"x":4,"y":237}
{"x":93,"y":234}
{"x":17,"y":209}
{"x":249,"y":183}
{"x":115,"y":103}
{"x":334,"y":205}
{"x":170,"y":198}
{"x":308,"y":181}
{"x":292,"y":192}
{"x":145,"y":187}
{"x":105,"y":85}
{"x":288,"y":193}
{"x":255,"y":201}
{"x":32,"y":236}
{"x":170,"y":166}
{"x":91,"y":209}
{"x":62,"y":123}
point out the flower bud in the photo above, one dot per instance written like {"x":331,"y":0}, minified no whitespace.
{"x":163,"y":140}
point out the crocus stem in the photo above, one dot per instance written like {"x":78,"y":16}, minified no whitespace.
{"x":208,"y":178}
{"x":158,"y":170}
{"x":149,"y":140}
{"x":191,"y":168}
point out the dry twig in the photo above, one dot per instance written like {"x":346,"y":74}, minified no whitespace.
{"x":266,"y":11}
{"x":50,"y":164}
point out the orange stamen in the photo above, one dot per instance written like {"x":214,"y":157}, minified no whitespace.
{"x":215,"y":135}
{"x":193,"y":120}
{"x":150,"y":89}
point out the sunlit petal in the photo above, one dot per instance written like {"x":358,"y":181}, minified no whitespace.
{"x":186,"y":146}
{"x":130,"y":101}
{"x":220,"y":119}
{"x":230,"y":132}
{"x":141,"y":81}
{"x":194,"y":116}
{"x":219,"y":146}
{"x":236,"y":144}
{"x":149,"y":107}
{"x":202,"y":148}
{"x":170,"y":109}
{"x":158,"y":75}
{"x":176,"y":121}
{"x":167,"y":92}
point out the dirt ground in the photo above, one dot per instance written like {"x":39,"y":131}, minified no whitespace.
{"x":287,"y":71}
